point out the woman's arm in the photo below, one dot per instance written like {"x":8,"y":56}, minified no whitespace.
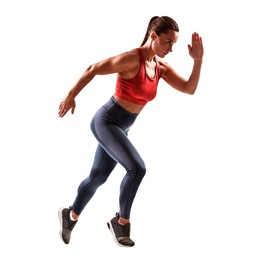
{"x":176,"y":81}
{"x":123,"y":62}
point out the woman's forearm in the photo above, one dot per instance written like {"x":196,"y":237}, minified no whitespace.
{"x":81,"y":83}
{"x":193,"y":80}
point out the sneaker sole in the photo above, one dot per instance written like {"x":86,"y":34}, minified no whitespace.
{"x":110,"y":227}
{"x":61,"y":222}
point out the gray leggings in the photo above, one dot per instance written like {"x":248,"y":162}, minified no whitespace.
{"x":110,"y":126}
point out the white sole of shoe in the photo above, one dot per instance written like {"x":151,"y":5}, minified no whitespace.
{"x":61,"y":222}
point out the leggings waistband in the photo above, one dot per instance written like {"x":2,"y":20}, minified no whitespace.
{"x":113,"y":103}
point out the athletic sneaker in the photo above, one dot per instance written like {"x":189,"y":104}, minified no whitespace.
{"x":66,"y":224}
{"x":121,"y":233}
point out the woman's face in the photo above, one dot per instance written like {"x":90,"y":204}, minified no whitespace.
{"x":162,"y":44}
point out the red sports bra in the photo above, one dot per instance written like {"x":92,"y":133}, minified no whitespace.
{"x":140,"y":89}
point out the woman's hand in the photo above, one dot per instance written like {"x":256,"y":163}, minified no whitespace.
{"x":67,"y":104}
{"x":196,"y":47}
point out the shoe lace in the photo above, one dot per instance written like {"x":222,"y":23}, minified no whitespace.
{"x":126,"y":230}
{"x":71,"y":223}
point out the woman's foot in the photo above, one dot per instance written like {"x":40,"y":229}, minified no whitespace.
{"x":66,"y":224}
{"x":120,"y":232}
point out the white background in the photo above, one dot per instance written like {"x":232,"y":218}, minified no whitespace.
{"x":200,"y":196}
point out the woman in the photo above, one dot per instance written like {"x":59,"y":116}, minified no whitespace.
{"x":139,"y":71}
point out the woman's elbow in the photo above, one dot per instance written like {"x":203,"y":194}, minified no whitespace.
{"x":191,"y":89}
{"x":191,"y":92}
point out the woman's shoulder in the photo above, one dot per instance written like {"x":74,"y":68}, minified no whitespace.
{"x":131,"y":54}
{"x":130,"y":57}
{"x":131,"y":63}
{"x":164,"y":66}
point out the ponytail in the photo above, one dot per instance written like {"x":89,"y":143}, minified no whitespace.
{"x":148,"y":30}
{"x":160,"y":25}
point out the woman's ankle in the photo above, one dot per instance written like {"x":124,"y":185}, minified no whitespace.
{"x":74,"y":216}
{"x":123,"y":221}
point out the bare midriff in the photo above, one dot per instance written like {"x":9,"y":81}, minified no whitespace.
{"x":129,"y":106}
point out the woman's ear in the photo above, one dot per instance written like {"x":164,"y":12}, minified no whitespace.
{"x":153,"y":35}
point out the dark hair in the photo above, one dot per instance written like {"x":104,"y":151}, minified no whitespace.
{"x":160,"y":24}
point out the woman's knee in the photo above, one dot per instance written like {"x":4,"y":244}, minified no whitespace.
{"x":138,"y":168}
